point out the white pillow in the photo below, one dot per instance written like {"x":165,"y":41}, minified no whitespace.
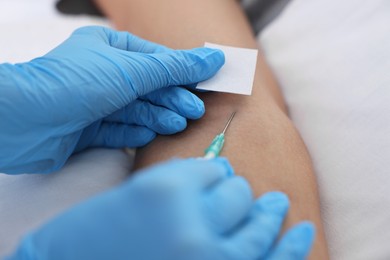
{"x":332,"y":59}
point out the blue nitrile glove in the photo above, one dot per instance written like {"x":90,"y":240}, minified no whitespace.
{"x":185,"y":209}
{"x":99,"y":88}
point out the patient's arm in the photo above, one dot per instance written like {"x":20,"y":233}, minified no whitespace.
{"x":262,"y":144}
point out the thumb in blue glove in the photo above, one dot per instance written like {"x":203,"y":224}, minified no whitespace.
{"x":184,"y":209}
{"x":98,"y":88}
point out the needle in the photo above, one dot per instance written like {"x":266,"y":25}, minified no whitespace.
{"x":228,"y":122}
{"x":216,"y":145}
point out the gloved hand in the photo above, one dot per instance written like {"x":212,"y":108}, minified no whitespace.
{"x":98,"y":88}
{"x":184,"y":209}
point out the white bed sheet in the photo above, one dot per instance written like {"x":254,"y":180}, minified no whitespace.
{"x":30,"y":29}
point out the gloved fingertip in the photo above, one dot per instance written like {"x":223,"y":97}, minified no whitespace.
{"x":172,"y":125}
{"x":178,"y":123}
{"x":151,"y":135}
{"x":225,"y":162}
{"x":191,"y":106}
{"x":217,"y":56}
{"x":301,"y":237}
{"x":214,"y":57}
{"x":274,"y":202}
{"x":304,"y":231}
{"x":246,"y":189}
{"x":216,"y":53}
{"x":200,"y":109}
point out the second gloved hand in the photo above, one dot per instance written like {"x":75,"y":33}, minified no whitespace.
{"x":98,"y":88}
{"x":184,"y":209}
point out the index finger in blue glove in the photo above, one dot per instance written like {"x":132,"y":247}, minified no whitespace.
{"x":295,"y":244}
{"x":178,"y":99}
{"x":255,"y":237}
{"x":128,"y":42}
{"x":149,"y":72}
{"x":121,"y":40}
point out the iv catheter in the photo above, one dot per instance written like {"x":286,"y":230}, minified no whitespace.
{"x":216,"y":145}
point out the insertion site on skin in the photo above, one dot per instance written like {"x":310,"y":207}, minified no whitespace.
{"x":216,"y":145}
